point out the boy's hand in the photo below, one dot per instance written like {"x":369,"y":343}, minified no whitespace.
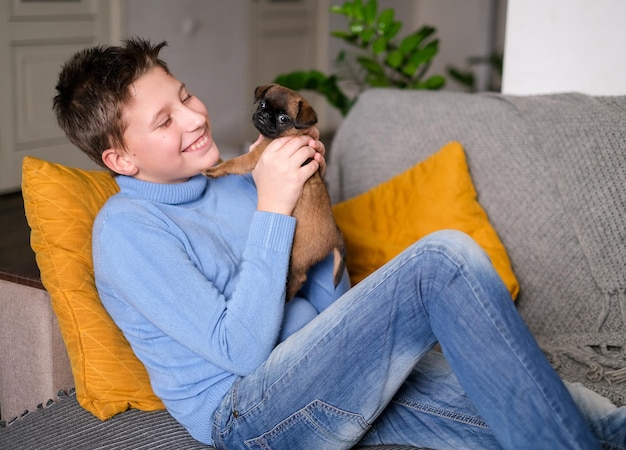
{"x":318,"y":145}
{"x":280,"y":174}
{"x":314,"y":133}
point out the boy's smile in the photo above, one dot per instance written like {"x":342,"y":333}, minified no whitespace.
{"x":199,"y":144}
{"x":168,"y":134}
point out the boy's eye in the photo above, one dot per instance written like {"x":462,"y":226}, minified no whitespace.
{"x":165,"y":123}
{"x":187,"y":97}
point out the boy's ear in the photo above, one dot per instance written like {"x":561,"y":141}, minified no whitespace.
{"x":119,"y":162}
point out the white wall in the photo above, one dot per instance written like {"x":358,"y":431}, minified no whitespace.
{"x":565,"y":45}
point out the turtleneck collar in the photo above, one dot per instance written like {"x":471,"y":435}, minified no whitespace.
{"x":170,"y":194}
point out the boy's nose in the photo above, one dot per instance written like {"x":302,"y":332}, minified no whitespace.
{"x":195,"y":118}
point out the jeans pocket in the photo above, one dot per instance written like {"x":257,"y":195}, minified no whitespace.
{"x":318,"y":425}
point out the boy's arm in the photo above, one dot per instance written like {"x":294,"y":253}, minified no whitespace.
{"x":148,"y":282}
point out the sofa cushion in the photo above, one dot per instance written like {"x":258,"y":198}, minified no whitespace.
{"x":61,"y":204}
{"x":434,"y":194}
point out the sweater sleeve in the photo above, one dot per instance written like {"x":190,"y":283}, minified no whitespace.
{"x":320,"y":287}
{"x":155,"y":291}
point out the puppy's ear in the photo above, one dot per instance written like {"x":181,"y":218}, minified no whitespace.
{"x":306,"y":116}
{"x":260,"y":91}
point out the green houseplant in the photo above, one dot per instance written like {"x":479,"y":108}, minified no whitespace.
{"x":379,"y":59}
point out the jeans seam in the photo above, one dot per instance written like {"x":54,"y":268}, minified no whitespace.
{"x":306,"y":414}
{"x":439,"y":412}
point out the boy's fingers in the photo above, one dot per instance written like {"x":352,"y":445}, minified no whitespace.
{"x":314,"y":132}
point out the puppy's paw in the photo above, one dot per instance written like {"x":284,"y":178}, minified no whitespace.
{"x":214,"y":172}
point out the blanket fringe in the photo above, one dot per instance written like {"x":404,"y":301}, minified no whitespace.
{"x":618,"y":297}
{"x":602,"y":362}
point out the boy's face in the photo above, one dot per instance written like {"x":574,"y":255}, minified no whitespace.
{"x":168,"y":135}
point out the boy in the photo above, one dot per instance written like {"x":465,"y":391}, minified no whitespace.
{"x":193,"y":272}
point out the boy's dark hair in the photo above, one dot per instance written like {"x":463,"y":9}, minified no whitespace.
{"x":93,"y":87}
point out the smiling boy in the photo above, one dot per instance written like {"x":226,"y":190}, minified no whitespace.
{"x":164,"y":115}
{"x":193,"y":272}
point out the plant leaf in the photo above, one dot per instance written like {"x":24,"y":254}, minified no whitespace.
{"x":409,"y":69}
{"x":359,"y":13}
{"x":385,"y":20}
{"x":336,"y":9}
{"x":348,"y":10}
{"x":370,"y":12}
{"x":300,"y":79}
{"x":466,"y":78}
{"x":367,"y":35}
{"x":392,"y":30}
{"x":426,"y":31}
{"x":371,"y":65}
{"x":422,"y":56}
{"x":356,"y":27}
{"x":409,"y":43}
{"x":394,"y":59}
{"x":433,"y":83}
{"x":341,"y":34}
{"x":378,"y":81}
{"x":379,"y":46}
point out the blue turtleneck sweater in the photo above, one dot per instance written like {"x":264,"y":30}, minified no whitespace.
{"x":194,"y":276}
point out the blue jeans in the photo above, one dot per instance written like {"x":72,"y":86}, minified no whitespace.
{"x":363,"y":371}
{"x":607,"y":421}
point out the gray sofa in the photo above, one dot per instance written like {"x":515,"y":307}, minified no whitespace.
{"x":550,"y":172}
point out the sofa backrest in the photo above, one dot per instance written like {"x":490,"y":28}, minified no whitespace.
{"x":550,"y":172}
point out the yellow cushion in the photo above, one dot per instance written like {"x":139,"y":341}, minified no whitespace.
{"x":61,"y":205}
{"x":435,"y":194}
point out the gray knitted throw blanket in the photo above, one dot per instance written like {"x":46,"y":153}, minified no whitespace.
{"x":584,"y":142}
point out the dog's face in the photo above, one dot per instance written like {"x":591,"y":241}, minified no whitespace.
{"x":281,"y":112}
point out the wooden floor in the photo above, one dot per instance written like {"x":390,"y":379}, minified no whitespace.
{"x":16,"y":256}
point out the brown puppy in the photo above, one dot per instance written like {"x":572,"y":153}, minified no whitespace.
{"x":283,"y":112}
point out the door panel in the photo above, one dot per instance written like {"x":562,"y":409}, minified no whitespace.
{"x":36,"y":38}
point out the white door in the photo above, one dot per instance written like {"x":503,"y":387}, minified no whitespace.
{"x":36,"y":38}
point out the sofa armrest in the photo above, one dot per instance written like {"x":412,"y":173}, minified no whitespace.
{"x":34,"y":365}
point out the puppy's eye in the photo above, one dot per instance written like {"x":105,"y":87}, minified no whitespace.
{"x":263,"y":104}
{"x":283,"y":118}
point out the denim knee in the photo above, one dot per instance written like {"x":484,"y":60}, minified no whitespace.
{"x":455,"y":244}
{"x":453,"y":255}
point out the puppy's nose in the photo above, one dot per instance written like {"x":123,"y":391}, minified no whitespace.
{"x":260,"y":116}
